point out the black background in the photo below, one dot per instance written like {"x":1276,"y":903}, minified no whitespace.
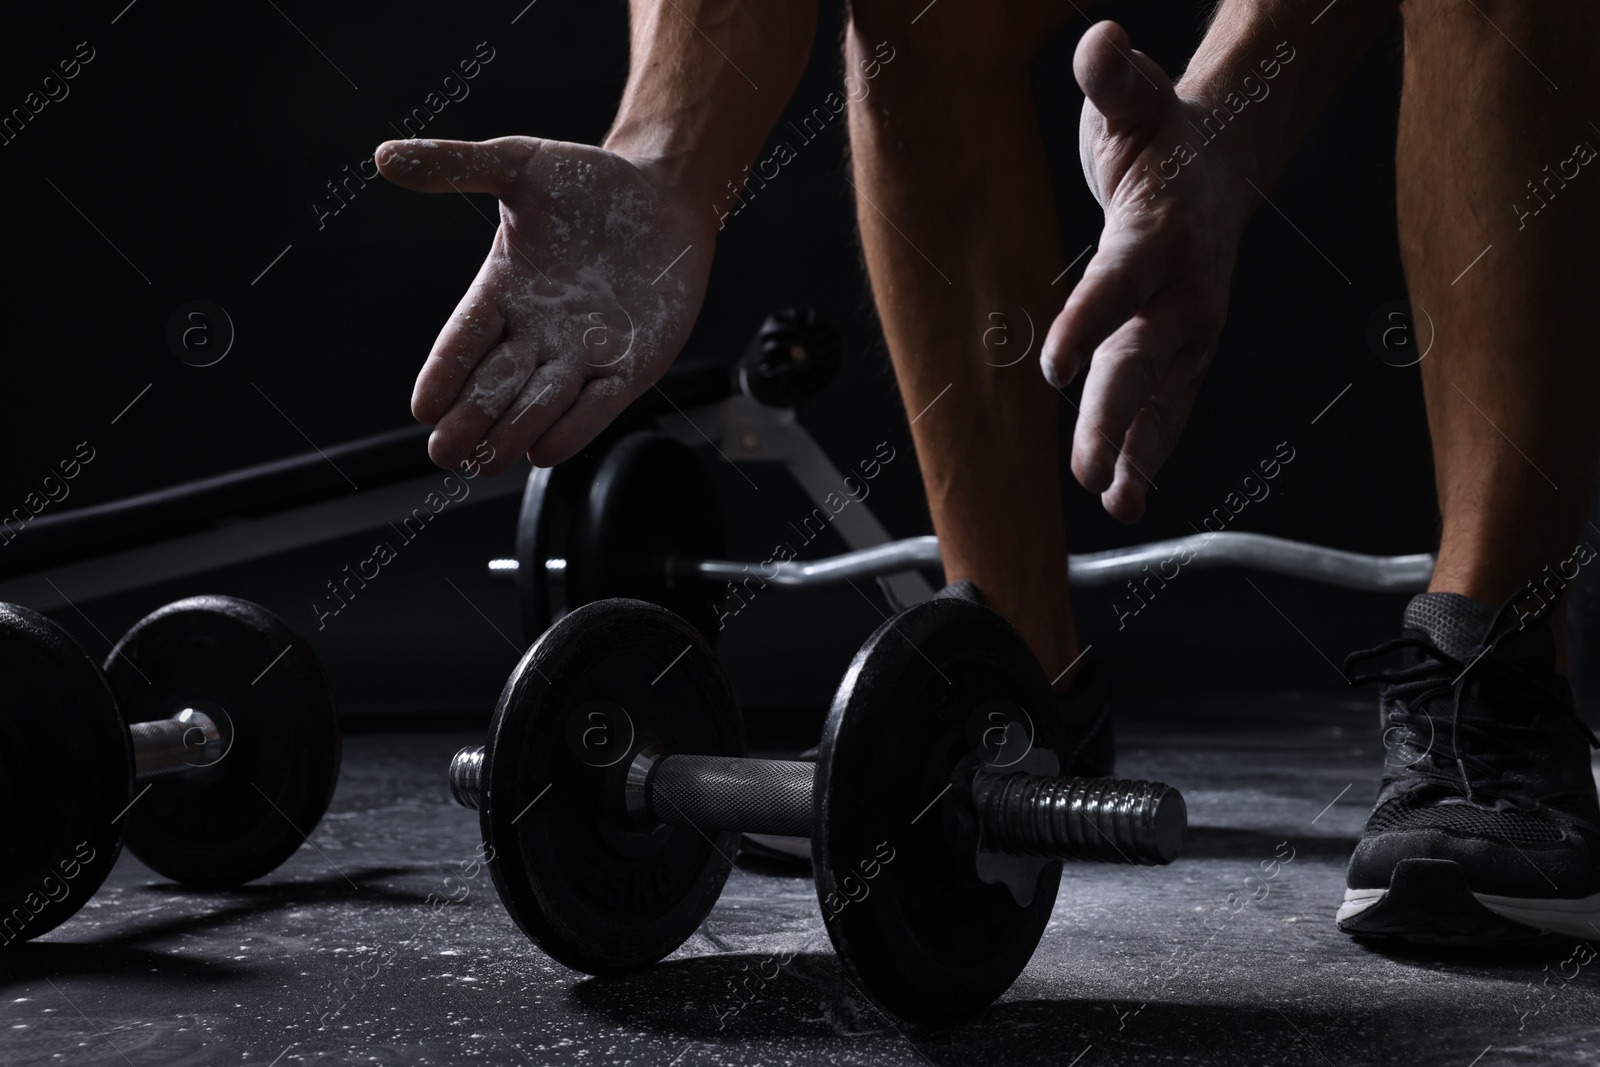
{"x":199,"y":137}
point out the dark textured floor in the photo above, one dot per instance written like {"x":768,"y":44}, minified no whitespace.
{"x":340,"y":958}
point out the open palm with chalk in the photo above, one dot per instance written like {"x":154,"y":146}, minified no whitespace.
{"x":590,"y":289}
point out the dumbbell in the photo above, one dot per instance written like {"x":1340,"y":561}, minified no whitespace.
{"x":614,"y":786}
{"x":207,"y":744}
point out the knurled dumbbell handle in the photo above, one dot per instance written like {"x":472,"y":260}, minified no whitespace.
{"x":188,"y":740}
{"x":1112,"y":820}
{"x":711,"y":793}
{"x":1104,"y":819}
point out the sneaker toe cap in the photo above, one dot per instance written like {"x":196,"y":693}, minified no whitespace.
{"x":1565,"y":867}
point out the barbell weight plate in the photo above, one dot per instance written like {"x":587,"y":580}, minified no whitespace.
{"x":651,"y":498}
{"x":66,"y":763}
{"x":549,"y":531}
{"x":913,"y":926}
{"x":602,"y":524}
{"x":240,"y":817}
{"x":593,"y":889}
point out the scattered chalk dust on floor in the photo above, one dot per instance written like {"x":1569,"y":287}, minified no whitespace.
{"x":387,"y":945}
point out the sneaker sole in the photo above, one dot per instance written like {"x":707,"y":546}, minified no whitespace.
{"x":1428,"y":900}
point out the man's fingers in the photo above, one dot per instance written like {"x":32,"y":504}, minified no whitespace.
{"x":1125,"y":499}
{"x":551,"y":418}
{"x":1168,"y":412}
{"x":1124,"y":86}
{"x":475,"y":326}
{"x":456,"y":166}
{"x":1127,"y":370}
{"x":491,"y":389}
{"x":1124,"y":90}
{"x":601,"y":401}
{"x":548,"y":393}
{"x":1126,"y":270}
{"x":1154,"y":434}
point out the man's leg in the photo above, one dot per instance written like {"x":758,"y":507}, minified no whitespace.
{"x":1513,"y":377}
{"x":1487,"y":822}
{"x":958,"y":224}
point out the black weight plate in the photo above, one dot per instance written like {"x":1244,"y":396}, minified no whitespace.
{"x":914,"y":928}
{"x":597,"y":893}
{"x":651,"y":498}
{"x":66,"y":765}
{"x":237,"y":819}
{"x":549,"y":531}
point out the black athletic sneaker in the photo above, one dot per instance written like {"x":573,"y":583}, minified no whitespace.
{"x":1487,"y":827}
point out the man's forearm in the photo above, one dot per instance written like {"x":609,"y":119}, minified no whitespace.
{"x":707,"y":80}
{"x":1269,"y":67}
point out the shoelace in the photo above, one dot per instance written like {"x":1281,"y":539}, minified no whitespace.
{"x":1415,"y":688}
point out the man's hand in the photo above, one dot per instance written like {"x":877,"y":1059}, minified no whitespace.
{"x":1146,"y":316}
{"x":590,"y":289}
